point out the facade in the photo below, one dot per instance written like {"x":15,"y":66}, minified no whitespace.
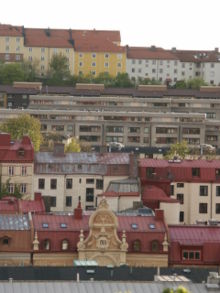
{"x":87,"y":51}
{"x":170,"y":66}
{"x":194,"y":183}
{"x":63,"y":178}
{"x":17,"y":164}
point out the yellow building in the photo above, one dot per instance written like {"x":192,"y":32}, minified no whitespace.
{"x":87,"y":51}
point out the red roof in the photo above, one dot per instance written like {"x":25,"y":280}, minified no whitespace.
{"x":154,"y":193}
{"x":193,"y":235}
{"x":149,"y":53}
{"x":10,"y":31}
{"x":10,"y":204}
{"x":9,"y":150}
{"x":196,"y":56}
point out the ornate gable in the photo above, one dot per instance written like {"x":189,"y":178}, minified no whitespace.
{"x":103,"y":243}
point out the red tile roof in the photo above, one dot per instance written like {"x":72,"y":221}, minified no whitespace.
{"x":9,"y":149}
{"x":193,"y":235}
{"x":149,"y":53}
{"x":10,"y":31}
{"x":10,"y":204}
{"x":196,"y":56}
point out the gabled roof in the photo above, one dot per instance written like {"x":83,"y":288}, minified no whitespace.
{"x":196,"y":56}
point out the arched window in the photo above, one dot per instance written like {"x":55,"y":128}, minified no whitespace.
{"x":5,"y":240}
{"x":65,"y":244}
{"x":155,"y":246}
{"x":137,"y":245}
{"x":46,"y":244}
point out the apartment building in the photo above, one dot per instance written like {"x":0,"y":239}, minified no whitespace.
{"x":169,"y":66}
{"x":17,"y":164}
{"x":87,"y":51}
{"x":99,"y":128}
{"x":194,"y":183}
{"x":64,"y":177}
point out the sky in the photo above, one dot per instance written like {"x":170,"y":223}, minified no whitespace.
{"x":184,"y":24}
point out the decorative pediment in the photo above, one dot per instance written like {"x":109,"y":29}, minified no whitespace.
{"x":103,"y":243}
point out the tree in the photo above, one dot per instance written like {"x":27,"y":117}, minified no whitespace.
{"x":4,"y":190}
{"x":73,"y":146}
{"x":11,"y":72}
{"x":180,"y":289}
{"x":179,"y":149}
{"x":59,"y":70}
{"x":24,"y":125}
{"x":122,"y":80}
{"x":195,"y":83}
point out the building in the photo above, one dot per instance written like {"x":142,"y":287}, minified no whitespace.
{"x":194,"y":245}
{"x":64,"y":177}
{"x":170,"y":66}
{"x":87,"y":51}
{"x":17,"y":164}
{"x":194,"y":183}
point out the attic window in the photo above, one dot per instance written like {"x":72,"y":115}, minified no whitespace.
{"x":63,"y":225}
{"x":21,"y":152}
{"x":152,"y":226}
{"x":134,"y":226}
{"x":45,"y":225}
{"x":5,"y":241}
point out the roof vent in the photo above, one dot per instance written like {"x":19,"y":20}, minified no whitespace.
{"x":213,"y":222}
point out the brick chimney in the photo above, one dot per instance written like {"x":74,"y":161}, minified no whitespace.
{"x":5,"y":139}
{"x":37,"y":196}
{"x":78,"y":211}
{"x":159,"y":215}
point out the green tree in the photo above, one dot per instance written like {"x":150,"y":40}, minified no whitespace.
{"x":122,"y":80}
{"x":73,"y":146}
{"x":180,"y":289}
{"x":179,"y":149}
{"x":195,"y":83}
{"x":4,"y":190}
{"x":24,"y":125}
{"x":10,"y":72}
{"x":59,"y":70}
{"x":181,"y":84}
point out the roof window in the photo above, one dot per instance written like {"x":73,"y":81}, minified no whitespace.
{"x":134,"y":226}
{"x":152,"y":226}
{"x":45,"y":225}
{"x":63,"y":225}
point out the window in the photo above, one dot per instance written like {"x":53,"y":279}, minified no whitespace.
{"x":30,"y":49}
{"x":195,"y":172}
{"x":180,"y":185}
{"x":89,"y":194}
{"x":154,"y":246}
{"x":53,"y":201}
{"x":41,"y":183}
{"x":181,"y":216}
{"x":119,"y":56}
{"x":203,"y":190}
{"x":11,"y":188}
{"x":10,"y":170}
{"x":68,"y":201}
{"x":191,"y":255}
{"x":217,"y":208}
{"x":150,"y":172}
{"x":80,"y":64}
{"x":65,"y":244}
{"x":5,"y":241}
{"x":106,"y":64}
{"x":18,"y":57}
{"x":99,"y":183}
{"x":217,"y":190}
{"x":172,"y":189}
{"x":80,"y":55}
{"x":119,"y":64}
{"x":89,"y":181}
{"x":23,"y":171}
{"x":137,"y":245}
{"x":46,"y":244}
{"x":93,"y":55}
{"x":153,"y":70}
{"x":7,"y":48}
{"x":106,"y":55}
{"x":53,"y":183}
{"x":203,"y":208}
{"x":180,"y":198}
{"x":42,"y":50}
{"x":69,"y":183}
{"x":7,"y":57}
{"x":23,"y":188}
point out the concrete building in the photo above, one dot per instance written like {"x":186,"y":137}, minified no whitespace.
{"x":17,"y":164}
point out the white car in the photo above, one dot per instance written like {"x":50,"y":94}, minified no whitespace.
{"x":117,"y":145}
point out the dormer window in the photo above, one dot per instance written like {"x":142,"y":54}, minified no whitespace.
{"x":21,"y":152}
{"x":5,"y":240}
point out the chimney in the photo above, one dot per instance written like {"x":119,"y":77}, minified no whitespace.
{"x":133,"y":165}
{"x":26,"y":140}
{"x":159,"y":215}
{"x":37,"y":196}
{"x":5,"y":139}
{"x":216,"y":50}
{"x":58,"y":150}
{"x":78,"y":211}
{"x":173,"y":49}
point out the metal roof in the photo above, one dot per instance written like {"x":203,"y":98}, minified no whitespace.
{"x":97,"y":287}
{"x":14,"y":222}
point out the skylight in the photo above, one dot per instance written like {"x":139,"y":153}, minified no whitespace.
{"x":63,"y":225}
{"x":45,"y":225}
{"x":134,"y":226}
{"x":152,"y":226}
